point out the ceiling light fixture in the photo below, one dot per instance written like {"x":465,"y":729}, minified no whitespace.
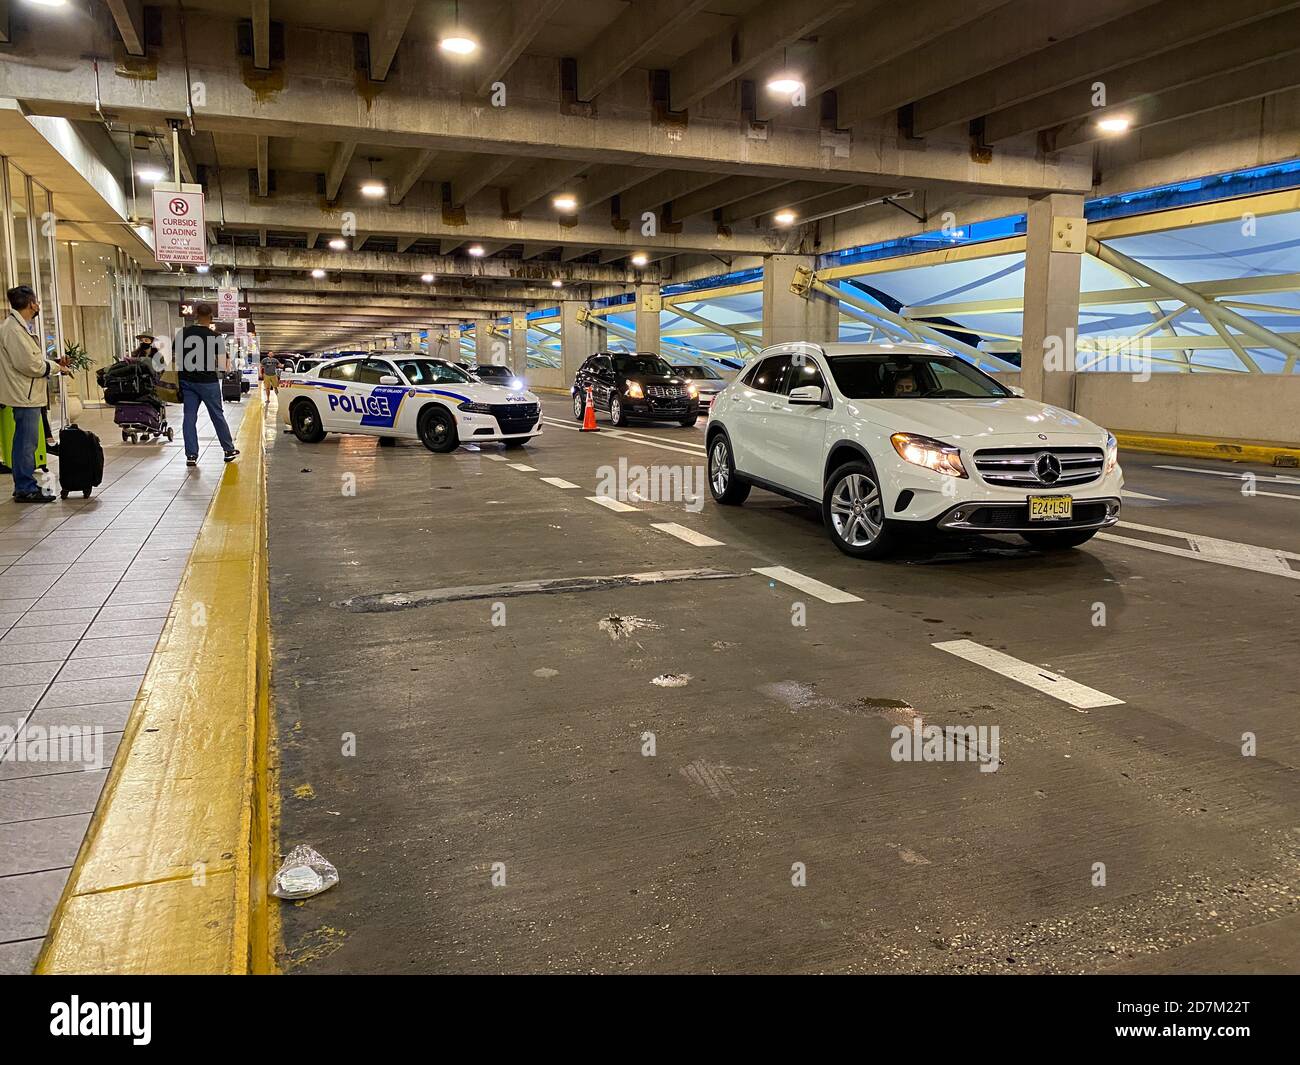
{"x":565,"y":201}
{"x":640,"y":259}
{"x":475,"y":250}
{"x":48,"y":3}
{"x":1115,"y":124}
{"x":557,"y":283}
{"x":338,"y":244}
{"x":427,"y":278}
{"x":318,"y":273}
{"x":784,"y":218}
{"x":457,"y":42}
{"x":149,"y":174}
{"x":373,"y":189}
{"x":784,"y":85}
{"x":202,"y":268}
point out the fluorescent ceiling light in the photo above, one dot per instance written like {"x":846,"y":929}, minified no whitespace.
{"x":475,"y":250}
{"x":318,"y":273}
{"x":1115,"y":124}
{"x":784,"y":218}
{"x":557,"y":283}
{"x":149,"y":173}
{"x":338,"y":244}
{"x":203,"y":269}
{"x":427,"y":278}
{"x":565,"y":201}
{"x":640,"y":259}
{"x":458,"y":44}
{"x":48,"y":3}
{"x":373,"y":189}
{"x":784,"y":85}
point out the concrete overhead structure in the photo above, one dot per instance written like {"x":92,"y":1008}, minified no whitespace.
{"x":654,"y":117}
{"x":1055,"y":243}
{"x":649,"y":305}
{"x":790,"y":315}
{"x":580,"y":336}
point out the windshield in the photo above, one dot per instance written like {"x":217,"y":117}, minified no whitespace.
{"x":429,"y":372}
{"x":647,"y":364}
{"x":904,"y":376}
{"x":698,"y":373}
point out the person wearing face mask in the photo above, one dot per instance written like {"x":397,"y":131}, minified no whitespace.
{"x":23,"y":383}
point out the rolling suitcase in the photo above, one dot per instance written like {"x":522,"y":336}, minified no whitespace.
{"x":81,"y":458}
{"x":232,"y":386}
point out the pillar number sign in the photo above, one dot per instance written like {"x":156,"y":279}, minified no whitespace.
{"x":179,"y":233}
{"x":227,"y":304}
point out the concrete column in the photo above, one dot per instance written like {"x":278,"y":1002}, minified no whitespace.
{"x":788,"y":316}
{"x":577,"y":341}
{"x":483,"y":340}
{"x":519,"y":343}
{"x":1054,"y":245}
{"x":415,"y":341}
{"x":648,"y":305}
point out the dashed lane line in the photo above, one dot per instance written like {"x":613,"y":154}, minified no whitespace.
{"x":1128,"y":493}
{"x":497,"y":458}
{"x":825,"y":592}
{"x":697,"y":539}
{"x":611,"y":504}
{"x":560,"y":482}
{"x":522,"y":468}
{"x":1030,"y":675}
{"x":1275,"y":478}
{"x":1270,"y":560}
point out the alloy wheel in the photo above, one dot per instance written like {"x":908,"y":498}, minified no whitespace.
{"x":856,"y":510}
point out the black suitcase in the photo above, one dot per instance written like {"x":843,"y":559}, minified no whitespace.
{"x":81,"y":461}
{"x":81,"y":457}
{"x":232,"y":386}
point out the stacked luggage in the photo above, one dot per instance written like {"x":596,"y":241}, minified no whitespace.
{"x":131,"y":389}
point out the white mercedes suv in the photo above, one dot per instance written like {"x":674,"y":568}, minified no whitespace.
{"x":889,"y":439}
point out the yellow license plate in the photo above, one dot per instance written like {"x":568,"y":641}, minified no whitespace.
{"x":1051,"y":508}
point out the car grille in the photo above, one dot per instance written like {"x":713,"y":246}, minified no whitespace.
{"x":1039,"y":467}
{"x":1016,"y":516}
{"x":516,"y":417}
{"x":665,"y":391}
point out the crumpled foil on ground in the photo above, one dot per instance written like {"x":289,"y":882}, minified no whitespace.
{"x":303,"y":873}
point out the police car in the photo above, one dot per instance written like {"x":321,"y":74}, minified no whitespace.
{"x":405,"y":395}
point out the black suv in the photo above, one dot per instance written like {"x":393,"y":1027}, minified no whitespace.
{"x":635,"y":385}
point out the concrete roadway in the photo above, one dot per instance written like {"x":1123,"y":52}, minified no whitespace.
{"x":522,"y":743}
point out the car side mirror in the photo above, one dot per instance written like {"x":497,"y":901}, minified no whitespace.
{"x":805,"y":396}
{"x":388,"y":379}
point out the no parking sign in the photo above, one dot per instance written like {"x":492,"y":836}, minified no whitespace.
{"x":178,"y":230}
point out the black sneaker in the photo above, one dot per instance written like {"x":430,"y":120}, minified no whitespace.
{"x":230,"y":455}
{"x":191,"y":461}
{"x":32,"y":497}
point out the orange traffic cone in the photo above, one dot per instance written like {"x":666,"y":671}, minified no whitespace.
{"x":589,"y":416}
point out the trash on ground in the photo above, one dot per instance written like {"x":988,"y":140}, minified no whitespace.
{"x":303,"y":873}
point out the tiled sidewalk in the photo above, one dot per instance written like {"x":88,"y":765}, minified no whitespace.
{"x":85,"y":588}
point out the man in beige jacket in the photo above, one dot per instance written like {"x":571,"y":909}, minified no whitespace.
{"x":23,"y":374}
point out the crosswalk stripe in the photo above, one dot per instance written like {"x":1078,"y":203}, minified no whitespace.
{"x":611,"y":504}
{"x":1030,"y":675}
{"x":522,"y":468}
{"x":560,"y":482}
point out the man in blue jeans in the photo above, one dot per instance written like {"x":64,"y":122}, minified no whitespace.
{"x":200,"y":357}
{"x":23,"y":375}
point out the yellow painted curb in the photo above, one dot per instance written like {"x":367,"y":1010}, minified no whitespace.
{"x":172,"y":874}
{"x":1208,"y":448}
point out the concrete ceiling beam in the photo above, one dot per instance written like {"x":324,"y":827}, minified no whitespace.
{"x":641,"y":29}
{"x":128,"y":17}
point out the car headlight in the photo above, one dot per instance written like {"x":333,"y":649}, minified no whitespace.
{"x":1112,"y":453}
{"x":634,"y":390}
{"x":932,"y":454}
{"x":517,"y":383}
{"x":692,"y":391}
{"x":477,"y":408}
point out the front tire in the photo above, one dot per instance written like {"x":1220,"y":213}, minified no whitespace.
{"x":725,"y":487}
{"x":305,"y":421}
{"x":687,"y":423}
{"x":579,"y":406}
{"x":1059,"y":540}
{"x":437,"y":429}
{"x":617,"y":415}
{"x":854,"y":511}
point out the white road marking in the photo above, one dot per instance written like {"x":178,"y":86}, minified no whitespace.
{"x":1270,"y":560}
{"x":1128,"y":493}
{"x":689,"y":535}
{"x":497,"y":458}
{"x":1277,"y":478}
{"x":824,"y":592}
{"x":1030,"y":675}
{"x":611,"y":504}
{"x":523,"y":468}
{"x":619,"y":434}
{"x":560,"y":482}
